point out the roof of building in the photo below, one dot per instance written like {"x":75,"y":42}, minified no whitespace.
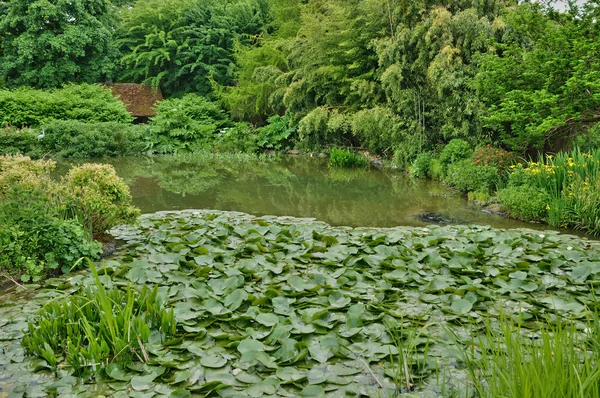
{"x":139,"y":99}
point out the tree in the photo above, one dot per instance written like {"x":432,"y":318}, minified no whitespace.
{"x":47,"y":43}
{"x":541,"y":84}
{"x":184,"y":45}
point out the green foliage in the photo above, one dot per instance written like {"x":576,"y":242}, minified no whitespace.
{"x":183,"y":46}
{"x":467,"y":177}
{"x":182,"y":123}
{"x":35,"y":240}
{"x":456,"y":150}
{"x":422,"y":165}
{"x":238,"y":139}
{"x":588,"y":141}
{"x":47,"y":43}
{"x":378,"y":129}
{"x":84,"y":102}
{"x":540,"y":83}
{"x":278,"y":134}
{"x":112,"y":327}
{"x":73,"y":139}
{"x":21,"y":171}
{"x":94,"y":194}
{"x":525,"y":202}
{"x":24,"y":141}
{"x":496,"y":157}
{"x":507,"y":361}
{"x":342,"y":158}
{"x":436,"y":170}
{"x":323,"y":127}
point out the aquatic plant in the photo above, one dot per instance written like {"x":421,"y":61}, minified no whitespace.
{"x":345,"y":158}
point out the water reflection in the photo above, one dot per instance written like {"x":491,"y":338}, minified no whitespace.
{"x":294,"y":186}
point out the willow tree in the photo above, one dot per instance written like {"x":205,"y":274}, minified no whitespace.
{"x":46,"y":43}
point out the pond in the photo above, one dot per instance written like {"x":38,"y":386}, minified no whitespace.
{"x":298,"y":187}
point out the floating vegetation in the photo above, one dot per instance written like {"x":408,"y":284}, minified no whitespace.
{"x":292,"y":307}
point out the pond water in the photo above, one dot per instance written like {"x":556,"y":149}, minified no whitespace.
{"x":295,"y":186}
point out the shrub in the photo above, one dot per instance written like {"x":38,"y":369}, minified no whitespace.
{"x":29,"y":175}
{"x":84,"y":102}
{"x":14,"y":141}
{"x":588,"y":141}
{"x":456,"y":150}
{"x":277,"y":134}
{"x":405,"y":152}
{"x":240,"y":138}
{"x":323,"y":127}
{"x":524,"y":202}
{"x":73,"y":139}
{"x":346,"y":159}
{"x":421,"y":165}
{"x":95,"y":194}
{"x":499,"y":158}
{"x":378,"y":129}
{"x":181,"y":122}
{"x":466,"y":176}
{"x":35,"y":239}
{"x":436,"y":170}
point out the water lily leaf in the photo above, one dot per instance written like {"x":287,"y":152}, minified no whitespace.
{"x":181,"y":376}
{"x":267,"y":319}
{"x":560,"y":304}
{"x":580,"y":274}
{"x":180,"y":393}
{"x":115,"y":371}
{"x":215,"y":307}
{"x":213,"y":361}
{"x":250,"y":345}
{"x":143,"y":383}
{"x":337,"y":299}
{"x":290,"y":374}
{"x":234,"y":300}
{"x":461,"y":306}
{"x":313,"y":391}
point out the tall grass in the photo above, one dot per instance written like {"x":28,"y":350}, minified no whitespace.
{"x":556,"y":361}
{"x":98,"y":326}
{"x":572,"y":181}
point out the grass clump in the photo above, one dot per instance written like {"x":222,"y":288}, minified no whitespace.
{"x":343,"y":158}
{"x":556,"y":361}
{"x":99,"y":326}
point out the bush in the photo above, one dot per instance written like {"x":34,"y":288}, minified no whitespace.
{"x":436,"y":170}
{"x":94,"y":194}
{"x":378,"y":129}
{"x":346,"y":159}
{"x":21,"y":171}
{"x":456,"y":150}
{"x":35,"y":239}
{"x":323,"y":127}
{"x":240,"y":138}
{"x":588,"y":141}
{"x":73,"y":139}
{"x":421,"y":165}
{"x":14,"y":141}
{"x":499,"y":158}
{"x":84,"y":102}
{"x":185,"y":123}
{"x":466,"y":176}
{"x":524,"y":202}
{"x":278,"y":134}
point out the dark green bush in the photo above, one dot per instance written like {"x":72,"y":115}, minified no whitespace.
{"x":421,"y":165}
{"x":84,"y":102}
{"x":524,"y":202}
{"x":74,"y":139}
{"x":35,"y":240}
{"x":456,"y":150}
{"x":24,"y":141}
{"x":187,"y":123}
{"x":241,"y":138}
{"x":277,"y":134}
{"x":467,"y":177}
{"x":346,"y":159}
